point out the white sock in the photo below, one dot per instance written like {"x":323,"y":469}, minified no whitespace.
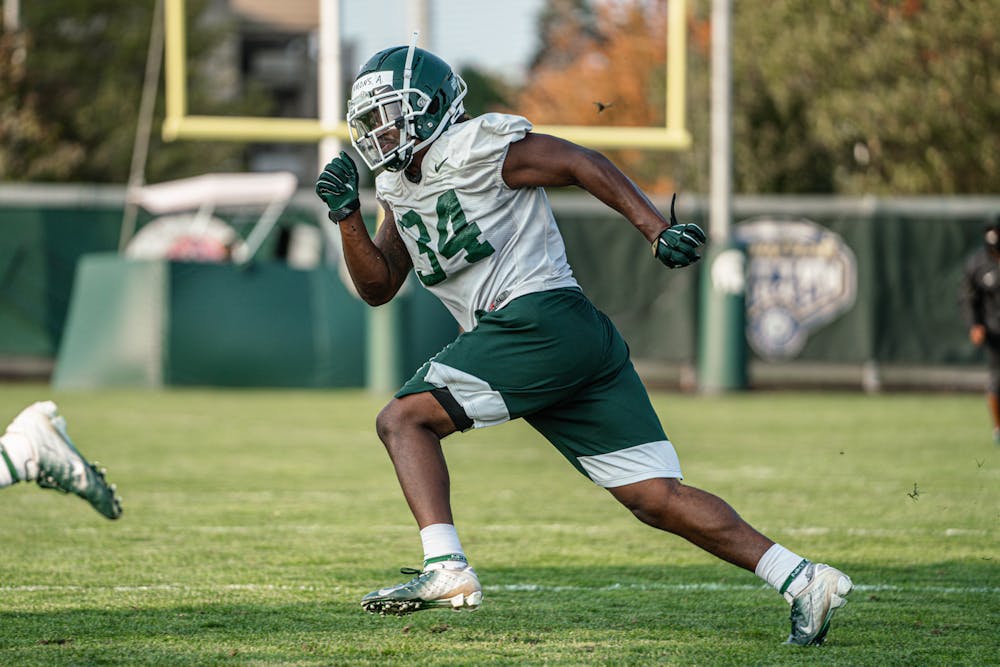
{"x":441,"y":539}
{"x":782,"y":569}
{"x":16,"y":453}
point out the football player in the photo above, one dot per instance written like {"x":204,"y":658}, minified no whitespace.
{"x":35,"y":447}
{"x":466,"y":211}
{"x":980,"y":294}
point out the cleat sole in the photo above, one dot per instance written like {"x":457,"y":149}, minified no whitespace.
{"x":386,"y":607}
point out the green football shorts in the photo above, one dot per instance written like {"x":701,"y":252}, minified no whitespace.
{"x":557,"y":361}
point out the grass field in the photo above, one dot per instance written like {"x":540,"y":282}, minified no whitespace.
{"x":255,"y":520}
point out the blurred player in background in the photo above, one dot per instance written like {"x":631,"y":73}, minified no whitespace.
{"x":981,"y":306}
{"x":464,"y":207}
{"x":36,"y":448}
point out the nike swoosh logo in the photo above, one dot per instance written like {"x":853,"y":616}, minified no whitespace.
{"x":437,"y":167}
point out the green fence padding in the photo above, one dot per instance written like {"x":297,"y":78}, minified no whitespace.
{"x":264,"y":325}
{"x":116,"y":325}
{"x":39,"y":249}
{"x":425,"y":326}
{"x":909,"y":266}
{"x":909,"y":254}
{"x":655,"y":308}
{"x":169,"y":323}
{"x":907,"y":309}
{"x":162,"y":323}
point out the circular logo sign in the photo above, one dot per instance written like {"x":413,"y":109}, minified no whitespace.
{"x":800,"y":277}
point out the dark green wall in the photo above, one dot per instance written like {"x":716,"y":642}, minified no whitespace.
{"x":909,"y":254}
{"x":39,"y":249}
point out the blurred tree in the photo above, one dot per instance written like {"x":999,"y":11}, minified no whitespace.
{"x":774,"y":147}
{"x":487,"y":92}
{"x":29,"y":144}
{"x":602,"y":65}
{"x":847,"y":97}
{"x":70,"y":84}
{"x":567,"y":27}
{"x":889,"y":97}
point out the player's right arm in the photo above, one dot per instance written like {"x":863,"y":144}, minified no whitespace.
{"x":378,"y":266}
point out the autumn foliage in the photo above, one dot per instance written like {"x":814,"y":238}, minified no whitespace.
{"x":603,"y":66}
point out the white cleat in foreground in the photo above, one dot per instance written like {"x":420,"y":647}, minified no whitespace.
{"x":57,"y":464}
{"x":814,"y":606}
{"x":436,"y":587}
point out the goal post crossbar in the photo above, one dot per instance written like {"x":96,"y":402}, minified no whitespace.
{"x":179,"y":124}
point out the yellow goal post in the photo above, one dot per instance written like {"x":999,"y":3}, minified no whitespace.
{"x":179,"y":124}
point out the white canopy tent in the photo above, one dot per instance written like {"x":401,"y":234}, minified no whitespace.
{"x":202,"y":195}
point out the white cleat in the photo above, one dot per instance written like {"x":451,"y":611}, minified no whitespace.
{"x":435,"y":587}
{"x":57,"y":464}
{"x":814,"y":606}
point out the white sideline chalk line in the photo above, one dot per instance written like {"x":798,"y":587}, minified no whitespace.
{"x":808,"y":531}
{"x":534,"y":588}
{"x":504,"y":588}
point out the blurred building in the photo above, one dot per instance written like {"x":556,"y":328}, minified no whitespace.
{"x":273,"y":48}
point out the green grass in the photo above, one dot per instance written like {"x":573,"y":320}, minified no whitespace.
{"x":255,"y":520}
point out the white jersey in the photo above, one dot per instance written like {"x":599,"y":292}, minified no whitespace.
{"x":476,"y":243}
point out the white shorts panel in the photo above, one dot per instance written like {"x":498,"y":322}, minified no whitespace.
{"x":634,"y":464}
{"x":483,"y":405}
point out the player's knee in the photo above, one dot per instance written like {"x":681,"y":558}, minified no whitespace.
{"x":399,"y":417}
{"x":651,"y":501}
{"x":412,"y":412}
{"x":388,"y":422}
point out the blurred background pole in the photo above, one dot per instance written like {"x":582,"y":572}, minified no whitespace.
{"x":384,"y":359}
{"x":11,"y":15}
{"x":331,"y":98}
{"x":418,"y":18}
{"x":721,"y":175}
{"x":143,"y":126}
{"x":721,"y":338}
{"x":381,"y":344}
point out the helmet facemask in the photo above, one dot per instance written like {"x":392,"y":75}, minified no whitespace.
{"x":382,"y":126}
{"x":388,"y":125}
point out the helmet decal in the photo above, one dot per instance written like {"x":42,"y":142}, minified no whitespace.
{"x":368,"y":82}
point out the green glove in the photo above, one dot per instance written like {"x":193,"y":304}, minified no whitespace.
{"x":677,"y":245}
{"x":337,"y":186}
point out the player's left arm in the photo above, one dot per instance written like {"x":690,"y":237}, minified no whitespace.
{"x":541,"y":160}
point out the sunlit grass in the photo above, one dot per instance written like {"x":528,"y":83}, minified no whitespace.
{"x":255,"y":520}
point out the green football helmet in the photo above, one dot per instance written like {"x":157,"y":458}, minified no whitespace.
{"x":402,"y":99}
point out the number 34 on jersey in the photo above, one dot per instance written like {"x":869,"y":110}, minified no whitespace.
{"x":444,"y":243}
